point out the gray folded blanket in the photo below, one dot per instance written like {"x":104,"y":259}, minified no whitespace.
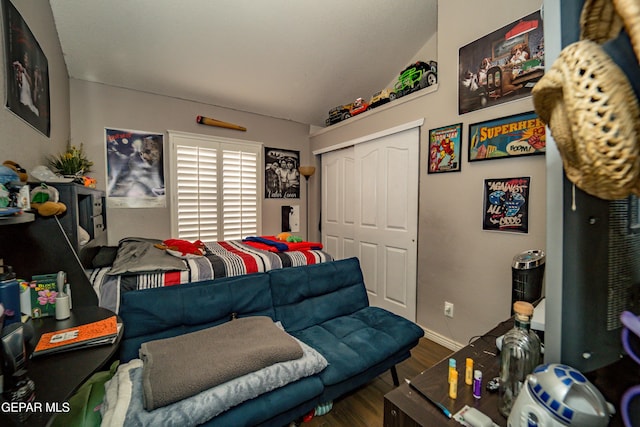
{"x":182,"y":366}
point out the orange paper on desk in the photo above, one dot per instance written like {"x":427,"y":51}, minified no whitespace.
{"x":79,"y":336}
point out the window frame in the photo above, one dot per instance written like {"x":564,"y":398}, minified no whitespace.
{"x":178,"y":138}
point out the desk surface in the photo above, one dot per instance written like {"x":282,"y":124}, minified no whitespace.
{"x":57,"y":376}
{"x":411,"y":409}
{"x":433,"y":383}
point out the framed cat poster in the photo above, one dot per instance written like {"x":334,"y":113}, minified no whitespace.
{"x":135,"y":174}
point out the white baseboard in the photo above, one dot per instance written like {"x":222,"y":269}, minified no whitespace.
{"x":442,"y":340}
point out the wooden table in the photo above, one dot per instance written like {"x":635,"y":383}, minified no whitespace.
{"x":405,"y":407}
{"x":57,"y":376}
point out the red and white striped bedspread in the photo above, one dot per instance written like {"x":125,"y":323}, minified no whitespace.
{"x":222,"y":259}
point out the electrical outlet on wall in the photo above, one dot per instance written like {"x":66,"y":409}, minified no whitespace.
{"x":448,"y":309}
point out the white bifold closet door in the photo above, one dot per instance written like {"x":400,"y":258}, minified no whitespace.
{"x":370,"y":211}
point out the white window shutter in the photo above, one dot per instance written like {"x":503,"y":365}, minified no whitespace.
{"x":216,"y":186}
{"x":240,"y":194}
{"x":197,"y":193}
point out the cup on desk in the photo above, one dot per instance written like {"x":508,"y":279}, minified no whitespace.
{"x":63,"y":307}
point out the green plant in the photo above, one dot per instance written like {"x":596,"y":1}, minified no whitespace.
{"x":72,"y":162}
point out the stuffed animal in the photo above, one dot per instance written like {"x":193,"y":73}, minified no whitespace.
{"x":4,"y":196}
{"x":288,"y":237}
{"x":44,"y":199}
{"x":22,"y":173}
{"x":283,"y":236}
{"x":7,"y":175}
{"x":182,"y":248}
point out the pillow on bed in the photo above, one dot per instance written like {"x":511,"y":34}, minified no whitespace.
{"x":138,"y":255}
{"x":105,"y":257}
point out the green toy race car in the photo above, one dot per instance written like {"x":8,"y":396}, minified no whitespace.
{"x":415,"y":77}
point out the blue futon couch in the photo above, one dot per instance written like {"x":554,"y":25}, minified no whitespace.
{"x":324,"y":305}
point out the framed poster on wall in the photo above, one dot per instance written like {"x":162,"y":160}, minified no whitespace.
{"x":281,"y":176}
{"x":135,"y":169}
{"x":506,"y":204}
{"x":501,"y":66}
{"x":27,"y":72}
{"x":444,"y":149}
{"x":517,"y":135}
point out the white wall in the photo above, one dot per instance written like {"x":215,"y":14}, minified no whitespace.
{"x":21,"y":142}
{"x":458,"y":261}
{"x":96,"y":106}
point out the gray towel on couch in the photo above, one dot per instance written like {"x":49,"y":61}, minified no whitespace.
{"x":182,"y":366}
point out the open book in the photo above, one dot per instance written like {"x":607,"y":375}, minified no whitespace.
{"x":96,"y":333}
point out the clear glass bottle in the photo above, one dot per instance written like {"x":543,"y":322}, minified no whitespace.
{"x":520,"y":354}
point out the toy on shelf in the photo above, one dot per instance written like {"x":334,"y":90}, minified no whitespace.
{"x":338,"y":114}
{"x":415,"y":77}
{"x":382,"y":97}
{"x":359,"y":106}
{"x":45,"y":200}
{"x":20,"y":171}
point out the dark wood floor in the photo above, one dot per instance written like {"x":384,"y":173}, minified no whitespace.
{"x":364,"y":407}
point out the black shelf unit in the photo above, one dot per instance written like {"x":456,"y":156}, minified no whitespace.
{"x":86,"y":208}
{"x":50,"y":244}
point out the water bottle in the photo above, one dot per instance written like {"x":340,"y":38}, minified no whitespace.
{"x":519,"y":356}
{"x":10,"y":297}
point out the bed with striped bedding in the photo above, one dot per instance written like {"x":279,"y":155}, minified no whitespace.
{"x":221,"y":259}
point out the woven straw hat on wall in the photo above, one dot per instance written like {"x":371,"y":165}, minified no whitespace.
{"x":590,"y":106}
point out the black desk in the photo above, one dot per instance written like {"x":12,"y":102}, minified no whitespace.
{"x":57,"y":376}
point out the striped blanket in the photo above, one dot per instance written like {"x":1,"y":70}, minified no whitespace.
{"x":222,"y":259}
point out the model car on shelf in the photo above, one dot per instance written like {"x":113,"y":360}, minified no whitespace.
{"x":338,"y":114}
{"x":359,"y":106}
{"x":415,"y":77}
{"x":382,"y":97}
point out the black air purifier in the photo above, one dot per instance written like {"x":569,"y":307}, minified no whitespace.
{"x":527,"y":272}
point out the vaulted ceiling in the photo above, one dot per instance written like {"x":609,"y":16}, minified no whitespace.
{"x":290,"y":59}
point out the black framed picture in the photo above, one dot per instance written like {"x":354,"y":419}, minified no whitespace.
{"x":506,"y":204}
{"x":27,"y":72}
{"x":502,"y":66}
{"x":281,"y":176}
{"x":444,"y":149}
{"x":135,"y":169}
{"x":517,"y":135}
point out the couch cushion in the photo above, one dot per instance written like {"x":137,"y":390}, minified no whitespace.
{"x":303,"y":297}
{"x":353,"y":343}
{"x":166,"y":312}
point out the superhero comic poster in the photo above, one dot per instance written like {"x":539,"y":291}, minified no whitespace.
{"x":444,"y":149}
{"x":506,"y":204}
{"x":517,"y":135}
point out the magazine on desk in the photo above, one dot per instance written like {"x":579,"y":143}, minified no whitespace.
{"x":88,"y":335}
